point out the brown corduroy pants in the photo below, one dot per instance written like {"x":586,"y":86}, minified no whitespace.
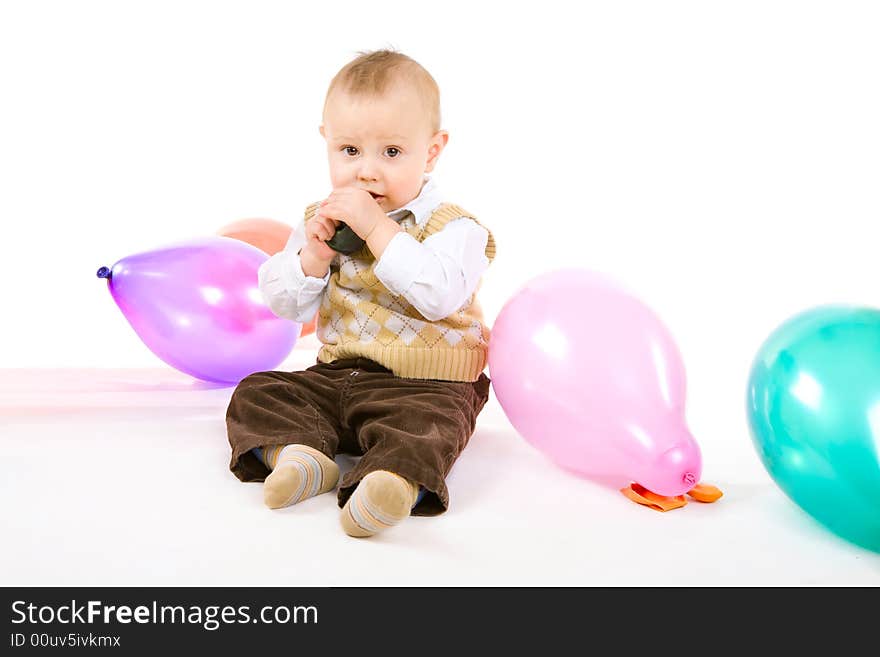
{"x":413,"y":427}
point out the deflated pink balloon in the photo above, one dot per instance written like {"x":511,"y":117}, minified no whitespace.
{"x":590,"y":376}
{"x":197,"y":306}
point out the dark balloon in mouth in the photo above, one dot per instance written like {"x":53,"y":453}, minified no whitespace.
{"x":345,"y":240}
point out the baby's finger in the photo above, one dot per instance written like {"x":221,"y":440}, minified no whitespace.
{"x":325,"y":232}
{"x":331,"y":214}
{"x":341,"y":195}
{"x":328,"y":222}
{"x":318,"y":230}
{"x":333,"y":226}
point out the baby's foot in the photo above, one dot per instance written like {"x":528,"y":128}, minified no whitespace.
{"x":381,"y":500}
{"x":298,"y":472}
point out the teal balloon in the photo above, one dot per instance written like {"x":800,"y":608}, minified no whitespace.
{"x":814,"y":415}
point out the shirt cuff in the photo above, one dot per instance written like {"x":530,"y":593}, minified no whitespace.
{"x":283,"y":272}
{"x":400,"y":263}
{"x":307,"y":284}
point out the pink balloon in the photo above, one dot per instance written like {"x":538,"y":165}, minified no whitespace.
{"x":590,"y":376}
{"x":198,"y":307}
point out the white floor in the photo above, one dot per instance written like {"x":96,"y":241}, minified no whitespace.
{"x":120,"y":478}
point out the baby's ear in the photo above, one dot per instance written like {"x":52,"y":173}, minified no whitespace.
{"x":438,"y":143}
{"x":321,"y":130}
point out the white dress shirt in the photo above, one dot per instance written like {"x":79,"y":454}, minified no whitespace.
{"x":437,"y":276}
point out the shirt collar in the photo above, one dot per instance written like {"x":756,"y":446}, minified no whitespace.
{"x":422,"y":205}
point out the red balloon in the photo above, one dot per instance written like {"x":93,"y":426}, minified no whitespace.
{"x":309,"y":327}
{"x":266,"y":234}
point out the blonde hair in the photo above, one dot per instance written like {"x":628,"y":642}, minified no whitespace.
{"x":372,"y":73}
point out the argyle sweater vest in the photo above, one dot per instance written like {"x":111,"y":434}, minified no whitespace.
{"x":360,"y":318}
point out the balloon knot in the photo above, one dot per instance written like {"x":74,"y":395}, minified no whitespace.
{"x":104,"y":272}
{"x":689,"y":478}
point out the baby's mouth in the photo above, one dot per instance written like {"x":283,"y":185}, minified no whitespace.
{"x":377,"y":197}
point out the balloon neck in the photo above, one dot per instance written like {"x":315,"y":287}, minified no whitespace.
{"x":104,"y":272}
{"x":676,"y":471}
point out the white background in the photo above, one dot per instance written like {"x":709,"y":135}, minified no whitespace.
{"x":720,"y":159}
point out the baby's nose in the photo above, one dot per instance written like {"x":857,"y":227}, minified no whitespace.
{"x":368,"y":171}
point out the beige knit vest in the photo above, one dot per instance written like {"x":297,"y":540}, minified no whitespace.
{"x":360,"y":317}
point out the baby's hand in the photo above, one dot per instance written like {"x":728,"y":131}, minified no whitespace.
{"x":316,"y":255}
{"x":353,"y":206}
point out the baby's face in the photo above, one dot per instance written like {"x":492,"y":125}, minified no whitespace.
{"x":383,"y":144}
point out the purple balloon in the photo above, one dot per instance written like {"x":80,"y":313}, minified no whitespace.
{"x":197,"y":306}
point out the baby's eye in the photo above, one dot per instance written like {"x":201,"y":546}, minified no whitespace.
{"x":350,"y":150}
{"x":391,"y":151}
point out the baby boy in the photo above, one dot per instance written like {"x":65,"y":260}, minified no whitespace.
{"x":399,"y":380}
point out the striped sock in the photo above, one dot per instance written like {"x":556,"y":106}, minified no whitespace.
{"x":381,"y":500}
{"x":298,"y":472}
